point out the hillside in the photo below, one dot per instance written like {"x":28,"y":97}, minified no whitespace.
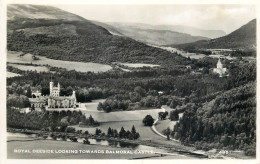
{"x":57,"y":34}
{"x":175,"y":28}
{"x":15,"y":12}
{"x":147,"y":34}
{"x":227,"y":122}
{"x":192,"y":30}
{"x":242,"y":38}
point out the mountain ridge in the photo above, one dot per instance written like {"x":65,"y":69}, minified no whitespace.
{"x":242,"y":38}
{"x":151,"y":36}
{"x":75,"y":39}
{"x":176,"y":28}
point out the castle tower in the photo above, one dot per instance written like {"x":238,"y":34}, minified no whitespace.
{"x":219,"y":64}
{"x":51,"y":87}
{"x":59,"y":88}
{"x":74,"y":96}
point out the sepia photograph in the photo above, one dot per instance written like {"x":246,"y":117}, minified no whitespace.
{"x":131,"y":81}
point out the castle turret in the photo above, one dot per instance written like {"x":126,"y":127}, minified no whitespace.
{"x":59,"y":88}
{"x":51,"y":87}
{"x":74,"y":96}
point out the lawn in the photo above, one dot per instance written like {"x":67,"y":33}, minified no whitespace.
{"x":145,"y":132}
{"x":30,"y":68}
{"x":14,"y":57}
{"x":138,"y":65}
{"x":11,"y":74}
{"x":100,"y":116}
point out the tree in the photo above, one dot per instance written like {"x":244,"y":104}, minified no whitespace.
{"x":140,"y":90}
{"x":28,"y":93}
{"x":133,"y":130}
{"x":109,"y":132}
{"x":122,"y":133}
{"x":70,"y":130}
{"x":91,"y":120}
{"x":98,"y":131}
{"x":115,"y":133}
{"x":175,"y":102}
{"x":174,"y":116}
{"x":167,"y":132}
{"x":148,"y":120}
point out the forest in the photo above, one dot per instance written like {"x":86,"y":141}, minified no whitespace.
{"x":53,"y":121}
{"x":228,"y":123}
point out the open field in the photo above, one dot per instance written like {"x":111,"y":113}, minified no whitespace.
{"x":138,"y":65}
{"x":145,"y":132}
{"x":163,"y":124}
{"x":100,"y":116}
{"x":11,"y":74}
{"x":14,"y":57}
{"x":30,"y":68}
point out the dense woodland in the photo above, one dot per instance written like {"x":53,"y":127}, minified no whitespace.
{"x":47,"y":120}
{"x":227,"y":122}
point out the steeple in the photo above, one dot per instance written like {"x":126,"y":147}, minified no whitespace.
{"x":219,"y":64}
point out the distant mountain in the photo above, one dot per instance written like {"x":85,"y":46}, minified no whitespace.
{"x":242,"y":38}
{"x":193,"y":31}
{"x":148,"y":35}
{"x":175,"y":28}
{"x":57,"y":34}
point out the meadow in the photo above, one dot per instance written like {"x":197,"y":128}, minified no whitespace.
{"x":14,"y":57}
{"x":11,"y":74}
{"x":30,"y":68}
{"x":101,"y":116}
{"x":138,"y":65}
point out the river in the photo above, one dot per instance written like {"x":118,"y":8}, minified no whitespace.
{"x":30,"y":143}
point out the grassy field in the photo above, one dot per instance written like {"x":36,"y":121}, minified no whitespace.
{"x":30,"y":68}
{"x":14,"y":57}
{"x":116,"y":120}
{"x":11,"y":74}
{"x":91,"y":109}
{"x":145,"y":132}
{"x":138,"y":65}
{"x":163,"y":124}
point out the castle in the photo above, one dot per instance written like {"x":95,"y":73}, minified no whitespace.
{"x":54,"y":100}
{"x":220,"y":70}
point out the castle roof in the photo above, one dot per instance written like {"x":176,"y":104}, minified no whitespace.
{"x":62,"y":98}
{"x":38,"y":100}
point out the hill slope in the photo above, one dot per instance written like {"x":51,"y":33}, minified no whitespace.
{"x":193,"y":31}
{"x":51,"y":32}
{"x":228,"y":122}
{"x":175,"y":28}
{"x":147,"y":34}
{"x":244,"y":37}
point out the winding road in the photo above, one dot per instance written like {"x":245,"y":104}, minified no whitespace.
{"x":158,"y":133}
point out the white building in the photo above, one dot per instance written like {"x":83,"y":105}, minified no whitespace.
{"x":220,"y":70}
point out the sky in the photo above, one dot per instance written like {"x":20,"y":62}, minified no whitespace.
{"x":209,"y":17}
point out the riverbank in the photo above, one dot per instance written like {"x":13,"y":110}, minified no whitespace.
{"x":171,"y":149}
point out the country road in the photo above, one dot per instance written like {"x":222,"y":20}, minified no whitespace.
{"x":158,"y":133}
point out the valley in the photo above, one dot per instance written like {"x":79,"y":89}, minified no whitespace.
{"x":80,"y":84}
